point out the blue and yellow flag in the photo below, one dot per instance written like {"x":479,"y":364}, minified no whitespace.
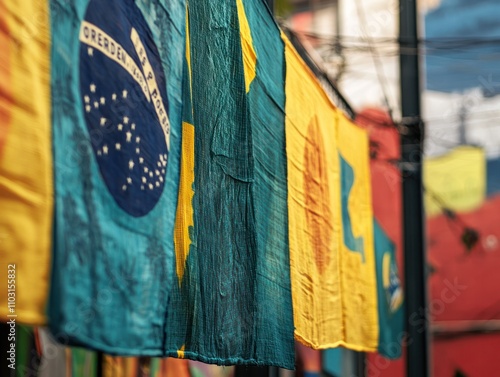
{"x":390,"y":296}
{"x":232,"y":303}
{"x":357,"y":254}
{"x":313,"y":200}
{"x":26,"y":187}
{"x":330,"y":214}
{"x":117,"y":71}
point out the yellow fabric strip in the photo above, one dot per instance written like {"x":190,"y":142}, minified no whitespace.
{"x":184,"y":217}
{"x":313,"y":198}
{"x":184,"y":221}
{"x":359,"y":285}
{"x":26,"y":191}
{"x":333,"y":287}
{"x":249,"y":55}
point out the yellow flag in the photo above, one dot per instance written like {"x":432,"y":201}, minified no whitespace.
{"x":331,"y":246}
{"x":313,"y":200}
{"x":357,"y":253}
{"x":26,"y":193}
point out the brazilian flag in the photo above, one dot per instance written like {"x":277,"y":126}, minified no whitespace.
{"x":116,"y":80}
{"x":232,"y":302}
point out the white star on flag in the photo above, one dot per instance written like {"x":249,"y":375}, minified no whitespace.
{"x":92,"y":88}
{"x":86,"y":99}
{"x":125,"y":120}
{"x":113,"y":96}
{"x":120,"y":127}
{"x":96,"y":104}
{"x":129,"y":136}
{"x":103,"y":100}
{"x":129,"y":180}
{"x":131,"y":164}
{"x":124,"y":94}
{"x":118,"y":146}
{"x":105,"y":149}
{"x":141,"y":160}
{"x":88,"y":108}
{"x":103,"y":121}
{"x":90,"y":51}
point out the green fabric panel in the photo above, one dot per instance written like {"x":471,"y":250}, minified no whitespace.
{"x":267,"y":120}
{"x":221,"y":313}
{"x":390,"y":303}
{"x":116,"y":170}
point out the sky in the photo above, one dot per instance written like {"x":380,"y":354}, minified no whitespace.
{"x":468,"y":53}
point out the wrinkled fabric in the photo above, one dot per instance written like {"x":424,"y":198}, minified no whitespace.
{"x":232,"y":304}
{"x":330,"y":218}
{"x":117,"y":71}
{"x":390,"y":296}
{"x":26,"y":187}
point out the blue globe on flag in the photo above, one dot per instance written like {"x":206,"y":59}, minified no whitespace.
{"x":124,"y":100}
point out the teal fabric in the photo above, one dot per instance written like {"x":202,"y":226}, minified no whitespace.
{"x":116,"y":175}
{"x":356,"y":244}
{"x":233,"y":305}
{"x":266,"y":100}
{"x":390,"y":303}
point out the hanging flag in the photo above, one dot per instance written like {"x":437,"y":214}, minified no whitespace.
{"x":25,"y":160}
{"x":265,"y":87}
{"x":117,"y":71}
{"x":329,"y":203}
{"x":232,"y":302}
{"x":357,"y":260}
{"x":390,"y":296}
{"x":313,"y":207}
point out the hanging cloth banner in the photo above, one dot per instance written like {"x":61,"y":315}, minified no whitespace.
{"x":233,"y":300}
{"x":117,"y":70}
{"x":26,"y":188}
{"x":330,"y":214}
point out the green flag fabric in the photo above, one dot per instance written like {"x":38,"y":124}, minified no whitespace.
{"x":116,"y":77}
{"x":390,"y":296}
{"x":232,"y":304}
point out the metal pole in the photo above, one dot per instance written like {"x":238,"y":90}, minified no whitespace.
{"x":413,"y":229}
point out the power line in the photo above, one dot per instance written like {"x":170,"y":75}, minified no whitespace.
{"x":376,"y":60}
